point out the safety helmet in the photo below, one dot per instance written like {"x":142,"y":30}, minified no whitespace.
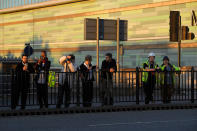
{"x":151,"y":54}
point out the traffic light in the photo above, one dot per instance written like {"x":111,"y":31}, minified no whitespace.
{"x":186,"y":35}
{"x":175,"y":24}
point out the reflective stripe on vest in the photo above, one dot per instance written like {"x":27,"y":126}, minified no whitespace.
{"x":52,"y":79}
{"x":145,"y":74}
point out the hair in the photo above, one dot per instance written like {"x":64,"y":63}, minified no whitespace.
{"x":88,"y":58}
{"x":109,"y":54}
{"x":72,"y":56}
{"x":24,"y":55}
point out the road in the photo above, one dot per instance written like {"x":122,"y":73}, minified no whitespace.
{"x":156,"y":120}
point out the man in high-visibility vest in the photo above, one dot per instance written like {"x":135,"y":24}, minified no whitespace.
{"x":149,"y":77}
{"x":167,"y":79}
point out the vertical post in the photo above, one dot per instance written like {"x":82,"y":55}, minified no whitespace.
{"x":137,"y":85}
{"x":97,"y":47}
{"x":192,"y":85}
{"x":179,"y":52}
{"x":118,"y":44}
{"x":179,"y":43}
{"x":78,"y":89}
{"x":97,"y":51}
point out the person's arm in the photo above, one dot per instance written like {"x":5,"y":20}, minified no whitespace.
{"x":71,"y":67}
{"x":37,"y":67}
{"x":19,"y":68}
{"x":104,"y":67}
{"x":176,"y":68}
{"x":115,"y":66}
{"x":47,"y":66}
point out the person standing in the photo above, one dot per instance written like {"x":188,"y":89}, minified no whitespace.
{"x":42,"y":70}
{"x":64,"y":80}
{"x":108,"y":68}
{"x":86,"y":70}
{"x":22,"y":80}
{"x":149,"y":77}
{"x":167,"y":79}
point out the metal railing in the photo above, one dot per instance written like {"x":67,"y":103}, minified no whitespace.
{"x":16,"y":3}
{"x":124,"y":87}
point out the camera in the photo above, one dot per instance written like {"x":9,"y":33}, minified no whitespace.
{"x":67,"y":60}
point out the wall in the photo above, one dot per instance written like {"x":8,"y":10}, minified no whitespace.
{"x":60,"y":30}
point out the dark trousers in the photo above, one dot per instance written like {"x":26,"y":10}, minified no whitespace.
{"x":106,"y":92}
{"x":87,"y":93}
{"x":148,"y":90}
{"x":42,"y":94}
{"x":166,"y":93}
{"x":63,"y":89}
{"x":17,"y":90}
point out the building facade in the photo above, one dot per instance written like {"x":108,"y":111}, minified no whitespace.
{"x":58,"y":27}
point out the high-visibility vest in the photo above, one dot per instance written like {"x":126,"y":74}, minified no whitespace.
{"x":145,"y":74}
{"x":162,"y":75}
{"x":51,"y":79}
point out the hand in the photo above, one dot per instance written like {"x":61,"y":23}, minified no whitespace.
{"x":89,"y":67}
{"x":158,"y":68}
{"x":111,"y":70}
{"x":25,"y":68}
{"x":68,"y":62}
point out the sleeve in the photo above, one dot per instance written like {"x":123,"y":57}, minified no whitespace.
{"x":37,"y":67}
{"x":19,"y":68}
{"x":115,"y":66}
{"x":48,"y":65}
{"x":71,"y":67}
{"x":176,"y":68}
{"x":144,"y":65}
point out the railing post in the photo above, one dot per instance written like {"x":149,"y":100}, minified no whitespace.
{"x":78,"y":89}
{"x":192,"y":85}
{"x":137,"y":85}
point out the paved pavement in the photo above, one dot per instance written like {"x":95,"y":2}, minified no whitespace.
{"x":156,"y":120}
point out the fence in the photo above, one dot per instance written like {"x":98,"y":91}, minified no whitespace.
{"x":125,"y":87}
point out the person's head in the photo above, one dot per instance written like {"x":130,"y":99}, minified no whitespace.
{"x":108,"y":57}
{"x":24,"y":58}
{"x":72,"y":58}
{"x":88,"y":59}
{"x":43,"y":53}
{"x":165,"y":60}
{"x":151,"y":57}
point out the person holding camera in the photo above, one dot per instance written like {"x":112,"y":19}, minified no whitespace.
{"x":22,"y":81}
{"x":42,"y":70}
{"x":64,"y":80}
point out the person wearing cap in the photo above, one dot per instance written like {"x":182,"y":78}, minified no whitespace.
{"x":86,"y":72}
{"x":108,"y":68}
{"x":167,"y":79}
{"x":64,"y":83}
{"x":149,"y":77}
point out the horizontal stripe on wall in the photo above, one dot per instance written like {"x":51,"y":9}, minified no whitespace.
{"x":113,"y":10}
{"x":106,"y":48}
